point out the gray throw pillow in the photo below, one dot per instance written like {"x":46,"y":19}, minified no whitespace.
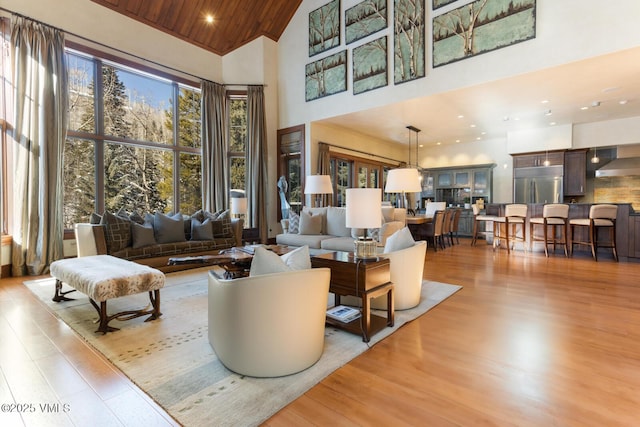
{"x":142,"y":235}
{"x":168,"y":229}
{"x":201,"y":230}
{"x":294,"y":223}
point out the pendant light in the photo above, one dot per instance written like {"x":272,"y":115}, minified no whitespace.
{"x":595,"y":158}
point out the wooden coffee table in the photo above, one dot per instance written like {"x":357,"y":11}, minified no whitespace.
{"x":364,"y":279}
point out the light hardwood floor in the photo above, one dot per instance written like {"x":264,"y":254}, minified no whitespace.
{"x":528,"y":341}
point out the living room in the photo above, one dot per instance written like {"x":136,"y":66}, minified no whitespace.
{"x":567,"y":32}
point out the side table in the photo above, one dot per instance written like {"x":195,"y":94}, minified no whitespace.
{"x":364,"y":279}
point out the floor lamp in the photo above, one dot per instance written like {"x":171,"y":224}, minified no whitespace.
{"x":403,"y":180}
{"x":364,"y":210}
{"x":318,"y":184}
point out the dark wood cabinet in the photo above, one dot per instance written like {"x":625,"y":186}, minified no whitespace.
{"x":575,"y":172}
{"x":538,"y":159}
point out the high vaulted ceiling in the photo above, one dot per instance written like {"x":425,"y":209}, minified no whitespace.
{"x":235,"y":23}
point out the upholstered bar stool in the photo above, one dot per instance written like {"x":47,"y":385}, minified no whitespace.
{"x":554,"y":216}
{"x":477,"y":220}
{"x":600,"y":217}
{"x":506,"y":227}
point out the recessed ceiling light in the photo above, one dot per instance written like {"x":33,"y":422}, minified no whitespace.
{"x":483,"y":133}
{"x":473,"y":126}
{"x":552,"y":123}
{"x":209,"y":19}
{"x":595,"y":104}
{"x":460,"y":116}
{"x":478,"y":139}
{"x":548,"y":113}
{"x":545,"y":101}
{"x":622,"y":102}
{"x":457,"y":140}
{"x":516,"y":118}
{"x":421,"y":145}
{"x":438,"y":143}
{"x":584,"y":108}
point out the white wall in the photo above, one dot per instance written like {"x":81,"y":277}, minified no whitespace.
{"x":566,"y":31}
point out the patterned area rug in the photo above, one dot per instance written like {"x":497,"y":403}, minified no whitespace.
{"x":172,"y":361}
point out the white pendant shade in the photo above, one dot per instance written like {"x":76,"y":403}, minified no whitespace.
{"x":403,"y":180}
{"x":318,"y":184}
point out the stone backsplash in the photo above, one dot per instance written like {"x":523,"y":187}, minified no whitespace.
{"x":618,"y":189}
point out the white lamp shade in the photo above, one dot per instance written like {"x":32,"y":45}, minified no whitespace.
{"x":318,"y":184}
{"x":403,"y":180}
{"x":364,"y":208}
{"x":238,"y":205}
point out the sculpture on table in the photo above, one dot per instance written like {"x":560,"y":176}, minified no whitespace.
{"x":283,"y":187}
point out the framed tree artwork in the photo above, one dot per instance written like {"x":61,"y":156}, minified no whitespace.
{"x":482,"y":26}
{"x":370,"y":65}
{"x":324,"y":28}
{"x":439,"y":3}
{"x":408,"y":42}
{"x":326,"y":76}
{"x":367,"y":17}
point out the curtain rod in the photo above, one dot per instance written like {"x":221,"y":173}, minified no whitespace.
{"x":121,"y":51}
{"x":362,"y":152}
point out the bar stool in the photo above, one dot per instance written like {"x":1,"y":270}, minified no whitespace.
{"x":477,"y":219}
{"x":514,"y":215}
{"x":554,"y":215}
{"x":600,"y":216}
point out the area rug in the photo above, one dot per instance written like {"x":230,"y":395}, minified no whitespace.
{"x":172,"y":361}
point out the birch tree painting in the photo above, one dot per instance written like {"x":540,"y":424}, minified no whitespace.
{"x":326,"y":76}
{"x":482,"y":26}
{"x":324,"y":28}
{"x":408,"y":40}
{"x":370,"y":65}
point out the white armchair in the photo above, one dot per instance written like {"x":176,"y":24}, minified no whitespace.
{"x":269,"y":325}
{"x":407,"y":266}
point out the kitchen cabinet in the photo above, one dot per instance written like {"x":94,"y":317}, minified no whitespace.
{"x":538,"y":159}
{"x":575,"y":172}
{"x":458,"y":186}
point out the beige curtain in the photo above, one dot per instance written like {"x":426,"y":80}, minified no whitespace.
{"x":214,"y":151}
{"x":40,"y":100}
{"x":324,"y":168}
{"x":256,"y":160}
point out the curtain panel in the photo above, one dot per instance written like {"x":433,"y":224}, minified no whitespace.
{"x":324,"y":168}
{"x":214,"y":147}
{"x":256,"y":160}
{"x":40,"y":118}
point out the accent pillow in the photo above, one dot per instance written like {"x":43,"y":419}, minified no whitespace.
{"x":118,"y":232}
{"x":94,"y":218}
{"x":298,"y":259}
{"x":337,"y":222}
{"x":168,"y":229}
{"x":142,"y":235}
{"x":319,"y":211}
{"x":310,"y":224}
{"x":266,"y":262}
{"x":399,"y":240}
{"x":137,"y":218}
{"x":294,"y":223}
{"x":221,"y":223}
{"x":201,"y":230}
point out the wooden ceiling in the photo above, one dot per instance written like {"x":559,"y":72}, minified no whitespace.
{"x":236,"y":22}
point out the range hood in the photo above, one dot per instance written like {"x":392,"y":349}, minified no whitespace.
{"x":624,"y":166}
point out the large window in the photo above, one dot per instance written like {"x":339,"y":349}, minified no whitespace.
{"x":133,"y":142}
{"x":237,"y":107}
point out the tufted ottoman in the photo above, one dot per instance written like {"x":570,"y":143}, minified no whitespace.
{"x":104,"y":277}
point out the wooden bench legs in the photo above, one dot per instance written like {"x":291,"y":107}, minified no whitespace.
{"x":153,"y":311}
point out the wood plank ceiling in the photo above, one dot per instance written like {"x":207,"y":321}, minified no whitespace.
{"x":236,"y":22}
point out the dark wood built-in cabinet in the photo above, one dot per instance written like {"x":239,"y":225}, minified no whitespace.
{"x":538,"y":159}
{"x":575,"y":172}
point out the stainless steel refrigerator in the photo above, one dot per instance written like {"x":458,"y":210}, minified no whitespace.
{"x":538,"y":184}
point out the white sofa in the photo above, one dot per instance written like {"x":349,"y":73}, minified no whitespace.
{"x":335,"y":235}
{"x":407,"y":266}
{"x":269,"y":325}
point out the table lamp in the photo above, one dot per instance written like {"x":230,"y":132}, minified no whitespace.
{"x":318,"y":184}
{"x":364,"y":210}
{"x":403,"y":180}
{"x":239,"y":206}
